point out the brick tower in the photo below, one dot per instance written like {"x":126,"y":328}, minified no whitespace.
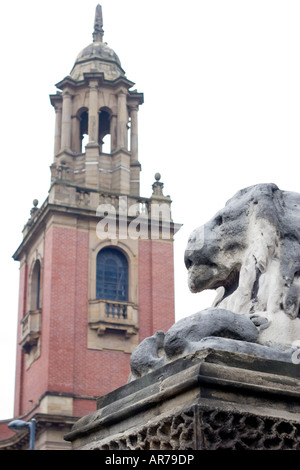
{"x":96,"y":260}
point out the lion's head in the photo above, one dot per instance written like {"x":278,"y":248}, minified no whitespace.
{"x":250,"y":252}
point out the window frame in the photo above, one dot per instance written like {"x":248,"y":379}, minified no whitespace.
{"x":112,"y":284}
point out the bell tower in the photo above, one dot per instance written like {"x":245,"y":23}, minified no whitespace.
{"x":95,"y":106}
{"x":96,"y":259}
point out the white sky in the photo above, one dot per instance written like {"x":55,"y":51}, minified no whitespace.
{"x":221,"y":82}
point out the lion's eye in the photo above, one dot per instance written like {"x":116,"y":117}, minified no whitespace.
{"x":219,"y":220}
{"x":232,"y":246}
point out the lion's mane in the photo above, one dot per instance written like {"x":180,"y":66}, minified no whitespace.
{"x":250,"y":253}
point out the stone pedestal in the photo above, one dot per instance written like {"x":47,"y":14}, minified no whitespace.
{"x":208,"y":400}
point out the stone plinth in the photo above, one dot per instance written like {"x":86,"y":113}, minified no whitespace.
{"x":207,"y":400}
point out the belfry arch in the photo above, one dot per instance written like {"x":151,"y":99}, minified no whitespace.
{"x":104,"y":129}
{"x":83,"y":129}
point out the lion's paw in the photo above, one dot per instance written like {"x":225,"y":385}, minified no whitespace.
{"x":261,"y":323}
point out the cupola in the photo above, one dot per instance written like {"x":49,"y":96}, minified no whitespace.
{"x":96,"y":126}
{"x":97,"y":56}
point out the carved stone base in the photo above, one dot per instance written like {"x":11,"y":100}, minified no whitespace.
{"x":208,"y":400}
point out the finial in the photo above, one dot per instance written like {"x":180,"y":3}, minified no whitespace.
{"x":98,"y":25}
{"x":157,"y":186}
{"x":34,"y":208}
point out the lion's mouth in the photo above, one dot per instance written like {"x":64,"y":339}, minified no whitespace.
{"x":210,"y":276}
{"x":201,"y":277}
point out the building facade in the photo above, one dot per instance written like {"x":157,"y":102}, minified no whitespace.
{"x":96,"y":259}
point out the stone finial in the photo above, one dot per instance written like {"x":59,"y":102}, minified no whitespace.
{"x":98,"y":25}
{"x":33,"y":211}
{"x":34,"y":208}
{"x":157,"y":186}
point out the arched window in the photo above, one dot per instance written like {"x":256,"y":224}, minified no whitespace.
{"x":112,"y":275}
{"x":35,"y":298}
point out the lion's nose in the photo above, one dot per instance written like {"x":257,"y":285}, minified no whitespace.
{"x":188,"y":259}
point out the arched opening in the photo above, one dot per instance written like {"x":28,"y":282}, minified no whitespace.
{"x":104,"y":131}
{"x":35,"y":294}
{"x":112,"y":275}
{"x":84,"y":130}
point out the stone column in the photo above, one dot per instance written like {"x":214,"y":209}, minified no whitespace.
{"x":66,"y":120}
{"x":122,"y":120}
{"x":57,"y":133}
{"x":113,"y":132}
{"x":93,"y":113}
{"x":134,"y":133}
{"x":76,"y":142}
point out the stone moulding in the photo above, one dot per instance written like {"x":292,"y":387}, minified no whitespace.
{"x":206,"y":400}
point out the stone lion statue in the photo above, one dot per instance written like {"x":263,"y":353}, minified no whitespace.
{"x":249,"y":252}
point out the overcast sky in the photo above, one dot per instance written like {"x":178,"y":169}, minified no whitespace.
{"x":221,"y":83}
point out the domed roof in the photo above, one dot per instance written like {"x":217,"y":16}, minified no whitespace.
{"x":97,"y":56}
{"x":99,"y":50}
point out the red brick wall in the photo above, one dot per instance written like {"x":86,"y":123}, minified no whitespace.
{"x":73,"y":367}
{"x":33,"y":382}
{"x":156,"y":286}
{"x":145,"y":289}
{"x":65,"y":364}
{"x":61,"y":328}
{"x":163,"y":285}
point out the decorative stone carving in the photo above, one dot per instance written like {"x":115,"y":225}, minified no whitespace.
{"x":173,"y":432}
{"x":250,"y":253}
{"x":208,"y":400}
{"x":218,"y":429}
{"x":246,"y":431}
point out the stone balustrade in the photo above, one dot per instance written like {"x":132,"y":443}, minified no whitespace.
{"x":30,"y":329}
{"x":113,"y":315}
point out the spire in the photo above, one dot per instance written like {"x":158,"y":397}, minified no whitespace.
{"x":98,"y":25}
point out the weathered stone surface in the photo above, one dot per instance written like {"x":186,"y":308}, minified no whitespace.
{"x":214,"y":327}
{"x":184,"y":336}
{"x":206,"y":400}
{"x":146,"y":358}
{"x":250,"y":252}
